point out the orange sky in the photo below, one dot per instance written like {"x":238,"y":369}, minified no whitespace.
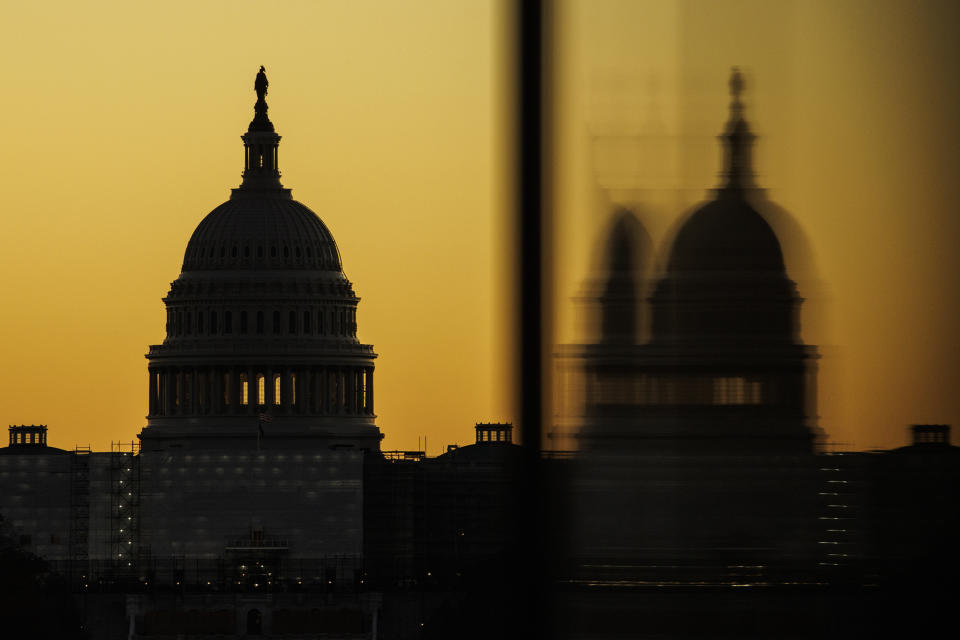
{"x":122,"y":132}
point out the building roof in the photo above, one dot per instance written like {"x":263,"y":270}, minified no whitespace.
{"x":261,"y":230}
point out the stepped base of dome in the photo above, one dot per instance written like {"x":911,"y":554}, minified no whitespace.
{"x":247,"y":433}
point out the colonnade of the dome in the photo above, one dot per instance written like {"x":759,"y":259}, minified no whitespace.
{"x":188,"y":321}
{"x":246,"y":390}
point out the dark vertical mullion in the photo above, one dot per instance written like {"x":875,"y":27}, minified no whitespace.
{"x":531,"y":77}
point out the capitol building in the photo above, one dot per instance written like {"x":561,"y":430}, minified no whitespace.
{"x":261,"y":451}
{"x":257,"y":501}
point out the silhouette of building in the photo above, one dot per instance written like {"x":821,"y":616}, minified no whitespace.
{"x":257,"y":501}
{"x":700,"y":499}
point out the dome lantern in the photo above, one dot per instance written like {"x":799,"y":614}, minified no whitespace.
{"x":738,"y":142}
{"x":261,"y":171}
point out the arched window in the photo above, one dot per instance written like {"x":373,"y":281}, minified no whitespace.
{"x":244,"y":390}
{"x":276,"y":389}
{"x":261,"y":389}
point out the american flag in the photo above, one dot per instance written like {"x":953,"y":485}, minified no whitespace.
{"x":266,"y":417}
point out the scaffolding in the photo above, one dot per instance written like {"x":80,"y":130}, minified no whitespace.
{"x":124,"y":507}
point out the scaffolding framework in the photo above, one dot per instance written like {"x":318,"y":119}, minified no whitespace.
{"x":124,"y":506}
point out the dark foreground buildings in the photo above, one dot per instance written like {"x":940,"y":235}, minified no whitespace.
{"x":699,"y":503}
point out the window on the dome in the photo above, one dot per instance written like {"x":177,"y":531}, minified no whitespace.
{"x":244,"y":390}
{"x":261,"y":389}
{"x":276,"y":389}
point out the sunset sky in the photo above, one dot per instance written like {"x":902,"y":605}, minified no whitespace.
{"x":122,"y":126}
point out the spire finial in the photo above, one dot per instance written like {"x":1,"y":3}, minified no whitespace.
{"x":736,"y":85}
{"x":261,"y":171}
{"x":737,"y":140}
{"x":260,"y":120}
{"x":261,"y":83}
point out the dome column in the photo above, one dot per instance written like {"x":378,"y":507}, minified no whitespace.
{"x":299,"y":391}
{"x":236,"y":391}
{"x":153,"y":391}
{"x":168,"y":391}
{"x":287,"y":406}
{"x":370,"y":390}
{"x":317,"y":382}
{"x":216,"y":391}
{"x":269,"y":391}
{"x":253,"y":390}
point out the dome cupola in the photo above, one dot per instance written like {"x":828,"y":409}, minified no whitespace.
{"x":261,"y":324}
{"x":725,"y":277}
